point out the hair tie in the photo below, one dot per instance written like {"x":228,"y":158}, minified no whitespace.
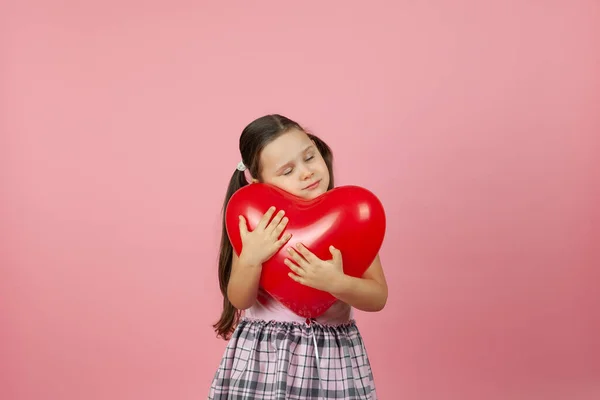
{"x":241,"y":166}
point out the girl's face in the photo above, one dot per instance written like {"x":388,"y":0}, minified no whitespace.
{"x":293,"y":163}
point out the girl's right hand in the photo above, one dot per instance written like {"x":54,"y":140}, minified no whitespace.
{"x":264,"y":241}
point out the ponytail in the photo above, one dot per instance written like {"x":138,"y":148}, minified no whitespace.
{"x":230,"y":315}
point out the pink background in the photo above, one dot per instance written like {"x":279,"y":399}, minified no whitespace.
{"x":476,"y":124}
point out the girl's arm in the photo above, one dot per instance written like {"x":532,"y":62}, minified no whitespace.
{"x":368,"y":293}
{"x":257,"y":247}
{"x":242,"y":288}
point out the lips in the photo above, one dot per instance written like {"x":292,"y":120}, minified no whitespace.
{"x":313,"y":185}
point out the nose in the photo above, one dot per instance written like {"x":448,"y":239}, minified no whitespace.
{"x":306,"y":173}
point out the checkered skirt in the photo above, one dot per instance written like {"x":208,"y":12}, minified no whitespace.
{"x":277,"y":360}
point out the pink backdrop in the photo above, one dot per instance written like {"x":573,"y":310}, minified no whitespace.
{"x":477,"y":126}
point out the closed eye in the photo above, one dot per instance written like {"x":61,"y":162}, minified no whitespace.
{"x":289,"y":170}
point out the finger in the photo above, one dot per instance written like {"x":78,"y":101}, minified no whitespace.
{"x":275,"y":221}
{"x":284,"y":239}
{"x":336,"y":254}
{"x":297,"y":257}
{"x":266,"y":218}
{"x":310,"y":257}
{"x":295,"y":268}
{"x":281,"y":226}
{"x":296,"y":278}
{"x":243,"y":226}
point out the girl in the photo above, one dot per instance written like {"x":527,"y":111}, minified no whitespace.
{"x":272,"y":352}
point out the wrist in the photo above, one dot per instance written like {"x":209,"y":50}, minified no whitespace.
{"x":340,"y":285}
{"x":248,"y":261}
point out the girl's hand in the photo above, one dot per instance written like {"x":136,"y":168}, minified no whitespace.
{"x":264,"y":241}
{"x":310,"y":270}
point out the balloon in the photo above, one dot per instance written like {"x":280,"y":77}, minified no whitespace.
{"x":350,"y":218}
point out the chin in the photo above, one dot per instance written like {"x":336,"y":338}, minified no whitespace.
{"x":314,"y":194}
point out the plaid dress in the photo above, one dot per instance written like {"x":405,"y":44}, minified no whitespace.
{"x":273,"y":360}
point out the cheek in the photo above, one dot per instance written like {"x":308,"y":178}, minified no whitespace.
{"x":282,"y":183}
{"x":323,"y":168}
{"x":325,"y":173}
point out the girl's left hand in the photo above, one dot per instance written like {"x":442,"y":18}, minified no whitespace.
{"x":310,"y":270}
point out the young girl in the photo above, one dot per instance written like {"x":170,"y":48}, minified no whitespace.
{"x":272,"y":352}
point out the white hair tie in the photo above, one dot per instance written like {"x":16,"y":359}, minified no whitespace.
{"x":241,"y":166}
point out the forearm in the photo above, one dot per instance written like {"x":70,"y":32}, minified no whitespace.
{"x":361,"y":293}
{"x":243,"y":283}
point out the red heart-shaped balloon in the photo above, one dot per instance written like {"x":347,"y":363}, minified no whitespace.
{"x":350,"y":218}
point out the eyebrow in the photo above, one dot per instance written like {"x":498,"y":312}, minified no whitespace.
{"x":280,"y":169}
